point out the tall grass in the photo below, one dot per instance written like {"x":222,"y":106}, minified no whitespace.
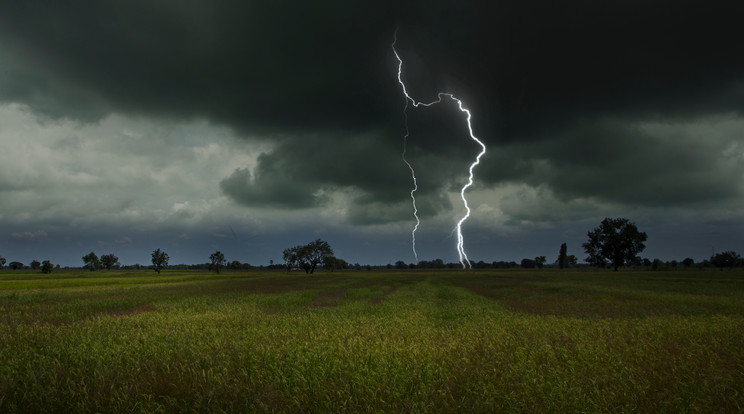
{"x":370,"y":342}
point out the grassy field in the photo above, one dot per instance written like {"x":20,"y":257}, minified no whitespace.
{"x":449,"y":341}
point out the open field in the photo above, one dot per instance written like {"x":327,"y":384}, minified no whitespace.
{"x":445,"y":341}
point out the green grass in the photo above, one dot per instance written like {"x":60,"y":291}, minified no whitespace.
{"x":443,"y":341}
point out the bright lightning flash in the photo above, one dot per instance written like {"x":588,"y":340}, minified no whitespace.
{"x":458,"y":228}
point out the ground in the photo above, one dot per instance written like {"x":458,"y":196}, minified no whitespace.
{"x":445,"y":341}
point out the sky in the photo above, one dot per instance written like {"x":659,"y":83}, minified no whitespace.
{"x":249,"y":127}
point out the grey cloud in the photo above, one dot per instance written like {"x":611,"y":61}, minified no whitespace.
{"x":632,"y":162}
{"x":298,"y":172}
{"x":273,"y":189}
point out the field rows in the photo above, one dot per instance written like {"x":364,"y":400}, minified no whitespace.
{"x":373,"y":341}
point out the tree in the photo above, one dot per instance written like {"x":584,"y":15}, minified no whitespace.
{"x":2,"y":262}
{"x":563,"y":256}
{"x":307,"y":257}
{"x":15,"y":265}
{"x":615,"y":240}
{"x":46,"y":266}
{"x":688,"y":262}
{"x":91,"y":262}
{"x":159,"y":260}
{"x":400,"y":264}
{"x":726,"y":259}
{"x":540,"y":261}
{"x":290,"y":257}
{"x":35,"y":265}
{"x":218,"y":260}
{"x":329,"y":262}
{"x":527,"y":263}
{"x":109,"y":260}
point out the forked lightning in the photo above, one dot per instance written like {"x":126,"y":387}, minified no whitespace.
{"x":458,"y":228}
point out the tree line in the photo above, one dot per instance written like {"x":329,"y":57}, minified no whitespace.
{"x":614,"y":243}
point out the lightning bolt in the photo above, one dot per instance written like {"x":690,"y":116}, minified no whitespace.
{"x":413,"y":174}
{"x":440,"y":96}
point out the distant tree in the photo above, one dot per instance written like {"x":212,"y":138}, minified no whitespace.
{"x":332,"y":263}
{"x":572,"y":260}
{"x":726,"y":259}
{"x":400,"y":264}
{"x":688,"y":262}
{"x":91,"y":261}
{"x":235,"y":265}
{"x":159,"y":260}
{"x":540,"y":261}
{"x":657,"y":264}
{"x":615,"y":240}
{"x":2,"y":262}
{"x":15,"y":265}
{"x":35,"y":265}
{"x":46,"y":266}
{"x":646,"y":262}
{"x":109,"y":260}
{"x":563,"y":256}
{"x":307,"y":257}
{"x":217,"y":260}
{"x":290,"y":256}
{"x":527,"y":263}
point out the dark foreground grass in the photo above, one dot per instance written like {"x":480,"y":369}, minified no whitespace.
{"x":503,"y":341}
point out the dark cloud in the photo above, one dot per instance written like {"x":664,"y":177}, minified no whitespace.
{"x":558,"y":91}
{"x":651,"y":163}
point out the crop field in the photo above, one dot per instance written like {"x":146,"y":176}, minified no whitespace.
{"x":379,"y":341}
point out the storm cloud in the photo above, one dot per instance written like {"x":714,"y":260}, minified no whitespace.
{"x":178,"y":116}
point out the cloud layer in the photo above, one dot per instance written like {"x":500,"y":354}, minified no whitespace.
{"x":179,"y":119}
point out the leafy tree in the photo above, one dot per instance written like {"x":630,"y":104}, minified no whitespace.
{"x":400,"y":264}
{"x":563,"y":256}
{"x":330,"y":263}
{"x":290,"y":257}
{"x":615,"y":240}
{"x":307,"y":257}
{"x":688,"y":262}
{"x":46,"y":266}
{"x":2,"y":262}
{"x":572,"y":260}
{"x":159,"y":260}
{"x":726,"y":259}
{"x":217,"y":260}
{"x":35,"y":265}
{"x":540,"y":261}
{"x":15,"y":265}
{"x":527,"y":263}
{"x":91,"y":261}
{"x":109,"y":260}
